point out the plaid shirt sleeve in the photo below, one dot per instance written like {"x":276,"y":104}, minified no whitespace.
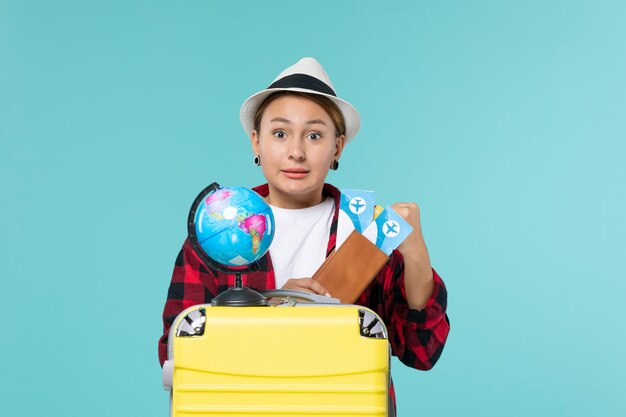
{"x":192,"y":283}
{"x":417,"y":337}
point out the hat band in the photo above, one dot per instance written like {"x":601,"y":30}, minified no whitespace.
{"x":303,"y":81}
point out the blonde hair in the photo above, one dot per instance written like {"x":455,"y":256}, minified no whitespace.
{"x":324,"y":102}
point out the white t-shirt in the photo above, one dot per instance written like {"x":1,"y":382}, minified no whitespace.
{"x":300,"y":240}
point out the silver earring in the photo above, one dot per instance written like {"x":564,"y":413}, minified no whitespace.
{"x":257,"y":160}
{"x":334,"y":165}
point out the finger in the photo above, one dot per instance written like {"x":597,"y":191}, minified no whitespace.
{"x":298,"y":284}
{"x":409,"y":212}
{"x":317,"y":287}
{"x":293,"y":285}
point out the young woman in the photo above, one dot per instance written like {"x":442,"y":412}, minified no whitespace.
{"x":298,"y":128}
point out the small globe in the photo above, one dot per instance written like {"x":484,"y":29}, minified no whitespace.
{"x":234,"y":226}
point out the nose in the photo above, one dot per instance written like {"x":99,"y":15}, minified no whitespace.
{"x":296,"y":150}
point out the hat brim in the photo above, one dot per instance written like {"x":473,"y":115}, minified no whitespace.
{"x":252,"y":103}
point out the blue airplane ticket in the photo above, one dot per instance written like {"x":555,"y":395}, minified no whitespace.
{"x":356,"y":211}
{"x":359,"y":206}
{"x":388,"y":230}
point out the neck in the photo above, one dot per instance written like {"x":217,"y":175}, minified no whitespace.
{"x":285,"y":200}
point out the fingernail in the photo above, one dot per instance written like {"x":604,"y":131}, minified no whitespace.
{"x":327,"y":294}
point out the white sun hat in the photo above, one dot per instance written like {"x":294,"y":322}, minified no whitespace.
{"x":305,"y":76}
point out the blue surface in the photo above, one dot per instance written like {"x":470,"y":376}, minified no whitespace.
{"x":503,"y":120}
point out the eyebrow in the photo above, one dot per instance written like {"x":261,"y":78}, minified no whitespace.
{"x":310,"y":122}
{"x":316,"y":122}
{"x":280,"y":119}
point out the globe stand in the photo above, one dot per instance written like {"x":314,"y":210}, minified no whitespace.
{"x":239,"y":295}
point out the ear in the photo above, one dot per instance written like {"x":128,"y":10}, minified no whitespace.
{"x":341,"y":140}
{"x":254,"y":139}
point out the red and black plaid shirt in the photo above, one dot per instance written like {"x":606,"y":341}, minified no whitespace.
{"x":416,"y":337}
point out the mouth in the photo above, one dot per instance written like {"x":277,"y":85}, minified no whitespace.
{"x":295,"y":173}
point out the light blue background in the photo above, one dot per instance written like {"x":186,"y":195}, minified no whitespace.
{"x":503,"y":120}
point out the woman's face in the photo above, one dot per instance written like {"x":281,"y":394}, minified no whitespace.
{"x":296,"y":143}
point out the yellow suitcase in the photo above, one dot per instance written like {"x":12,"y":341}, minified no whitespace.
{"x":294,"y":359}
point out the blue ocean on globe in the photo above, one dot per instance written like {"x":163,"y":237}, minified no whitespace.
{"x":234,"y":226}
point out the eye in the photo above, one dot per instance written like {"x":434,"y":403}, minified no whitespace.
{"x":315,"y":135}
{"x":280,"y":134}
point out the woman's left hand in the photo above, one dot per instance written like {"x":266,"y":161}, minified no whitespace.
{"x":418,"y":277}
{"x":414,"y":242}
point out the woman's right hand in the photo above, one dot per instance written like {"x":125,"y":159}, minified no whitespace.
{"x":305,"y":285}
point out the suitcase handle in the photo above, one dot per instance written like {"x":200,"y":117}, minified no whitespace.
{"x":315,"y":298}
